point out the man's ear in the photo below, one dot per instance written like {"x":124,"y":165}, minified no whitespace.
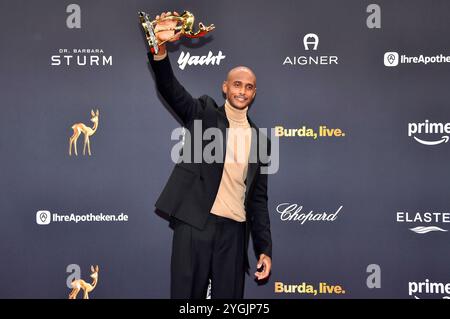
{"x":224,"y":87}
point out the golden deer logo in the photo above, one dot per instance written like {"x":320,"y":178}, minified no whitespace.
{"x":79,"y":128}
{"x":78,"y":284}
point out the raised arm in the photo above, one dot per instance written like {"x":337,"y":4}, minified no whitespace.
{"x":179,"y":100}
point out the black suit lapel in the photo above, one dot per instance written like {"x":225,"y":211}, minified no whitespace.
{"x":253,"y":158}
{"x":223,"y":124}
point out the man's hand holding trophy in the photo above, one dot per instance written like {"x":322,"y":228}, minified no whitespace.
{"x":169,"y":27}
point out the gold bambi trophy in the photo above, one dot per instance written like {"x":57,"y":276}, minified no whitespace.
{"x":80,"y":284}
{"x":186,"y":28}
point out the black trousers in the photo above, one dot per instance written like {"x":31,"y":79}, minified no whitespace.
{"x":215,"y":253}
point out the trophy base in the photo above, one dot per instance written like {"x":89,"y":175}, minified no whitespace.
{"x":149,"y":31}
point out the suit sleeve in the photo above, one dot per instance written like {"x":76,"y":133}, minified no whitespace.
{"x":260,"y":221}
{"x":179,"y":100}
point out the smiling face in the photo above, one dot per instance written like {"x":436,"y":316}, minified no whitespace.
{"x":240,"y":87}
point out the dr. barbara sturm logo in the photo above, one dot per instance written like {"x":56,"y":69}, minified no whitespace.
{"x":44,"y":217}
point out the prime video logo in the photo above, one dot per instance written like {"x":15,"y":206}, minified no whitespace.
{"x":443,"y":129}
{"x":429,"y":288}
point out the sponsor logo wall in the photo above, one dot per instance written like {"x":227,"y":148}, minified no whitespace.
{"x":355,"y":98}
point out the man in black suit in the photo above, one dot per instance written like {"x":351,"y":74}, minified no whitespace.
{"x":214,"y":207}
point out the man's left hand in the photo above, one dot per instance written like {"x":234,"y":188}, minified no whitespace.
{"x":265,"y":262}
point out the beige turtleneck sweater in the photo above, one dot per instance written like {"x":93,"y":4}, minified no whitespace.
{"x":230,"y":198}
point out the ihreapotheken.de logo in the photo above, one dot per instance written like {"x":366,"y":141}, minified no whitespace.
{"x":45,"y":217}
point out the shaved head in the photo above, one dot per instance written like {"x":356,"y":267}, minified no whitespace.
{"x":234,"y":71}
{"x":240,"y":87}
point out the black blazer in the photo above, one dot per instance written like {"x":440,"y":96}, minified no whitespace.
{"x":192,"y":187}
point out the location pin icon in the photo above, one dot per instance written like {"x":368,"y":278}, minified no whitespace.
{"x":43,"y":217}
{"x":391,"y":58}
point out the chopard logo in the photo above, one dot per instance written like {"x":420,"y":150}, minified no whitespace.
{"x":295,"y":212}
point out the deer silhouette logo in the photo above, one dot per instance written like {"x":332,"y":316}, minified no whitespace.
{"x":78,"y":284}
{"x":79,"y":128}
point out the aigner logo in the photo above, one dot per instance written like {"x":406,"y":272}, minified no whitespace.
{"x":311,"y":42}
{"x":79,"y":128}
{"x":311,"y":39}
